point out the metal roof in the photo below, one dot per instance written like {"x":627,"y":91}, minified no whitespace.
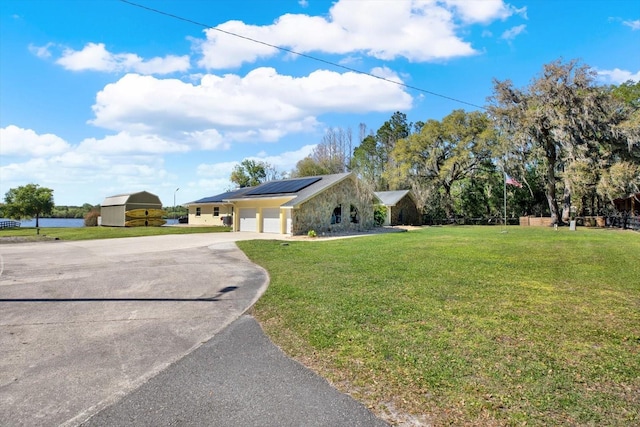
{"x":122,"y":199}
{"x":391,"y":198}
{"x":117,"y":200}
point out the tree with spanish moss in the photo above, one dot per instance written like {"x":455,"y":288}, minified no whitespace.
{"x":444,"y":153}
{"x":564,"y":122}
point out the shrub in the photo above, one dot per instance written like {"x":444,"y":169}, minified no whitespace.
{"x":312,"y":233}
{"x":379,"y":215}
{"x":91,"y":218}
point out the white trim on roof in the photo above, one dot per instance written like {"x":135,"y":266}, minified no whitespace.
{"x":391,"y":198}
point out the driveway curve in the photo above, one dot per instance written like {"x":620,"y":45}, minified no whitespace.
{"x":84,"y":323}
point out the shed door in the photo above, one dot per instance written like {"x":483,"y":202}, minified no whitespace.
{"x":248,"y":219}
{"x":271,"y":220}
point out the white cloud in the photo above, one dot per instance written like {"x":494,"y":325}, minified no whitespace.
{"x":208,"y":187}
{"x":482,"y":11}
{"x":634,"y":25}
{"x":618,"y":76}
{"x":124,"y":142}
{"x":209,"y":139}
{"x":261,"y":106}
{"x":95,"y":57}
{"x":78,"y":177}
{"x":25,"y":142}
{"x":33,"y":170}
{"x":42,"y":52}
{"x":221,"y":50}
{"x":214,"y":177}
{"x":416,"y":30}
{"x":86,"y":172}
{"x":285,"y":162}
{"x":512,"y":33}
{"x":215,"y":170}
{"x":98,"y":168}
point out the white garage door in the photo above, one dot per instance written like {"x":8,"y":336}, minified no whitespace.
{"x":271,"y":220}
{"x":248,"y":220}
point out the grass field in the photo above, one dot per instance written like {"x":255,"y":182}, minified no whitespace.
{"x":90,"y":233}
{"x":465,"y":325}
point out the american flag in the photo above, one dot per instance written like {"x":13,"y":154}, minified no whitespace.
{"x":512,"y":181}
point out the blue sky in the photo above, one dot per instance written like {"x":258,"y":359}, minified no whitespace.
{"x":102,"y":97}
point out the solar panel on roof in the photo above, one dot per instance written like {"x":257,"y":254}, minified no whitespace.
{"x":280,"y":187}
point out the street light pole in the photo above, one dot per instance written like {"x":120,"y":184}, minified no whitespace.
{"x":174,"y":202}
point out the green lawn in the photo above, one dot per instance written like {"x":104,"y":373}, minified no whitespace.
{"x":466,"y":325}
{"x":89,"y":233}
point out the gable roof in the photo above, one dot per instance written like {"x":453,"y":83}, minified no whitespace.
{"x":325,"y":182}
{"x":391,"y":198}
{"x":629,"y":197}
{"x":298,"y":189}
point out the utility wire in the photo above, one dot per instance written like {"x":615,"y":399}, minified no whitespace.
{"x":293,"y":52}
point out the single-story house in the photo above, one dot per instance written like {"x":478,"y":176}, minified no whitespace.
{"x":323,"y":203}
{"x":113,"y":209}
{"x":214,"y":210}
{"x":401,"y":207}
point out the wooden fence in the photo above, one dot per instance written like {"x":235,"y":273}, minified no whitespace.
{"x":614,"y":221}
{"x":623,"y":221}
{"x":427,"y":220}
{"x":535,"y":221}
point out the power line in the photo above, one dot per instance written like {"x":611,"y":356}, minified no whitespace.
{"x":304,"y":55}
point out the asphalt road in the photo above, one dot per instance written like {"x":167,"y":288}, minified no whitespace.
{"x":148,"y":331}
{"x":239,"y":378}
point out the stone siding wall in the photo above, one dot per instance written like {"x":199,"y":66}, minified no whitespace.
{"x":409,"y":213}
{"x":315,"y":214}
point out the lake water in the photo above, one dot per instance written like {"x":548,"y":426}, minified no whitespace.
{"x":64,"y":222}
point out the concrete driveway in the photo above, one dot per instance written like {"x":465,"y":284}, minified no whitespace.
{"x":84,"y":323}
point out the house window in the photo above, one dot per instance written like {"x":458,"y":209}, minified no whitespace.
{"x":336,"y":216}
{"x":353,"y":215}
{"x":216,"y":211}
{"x":198,"y":211}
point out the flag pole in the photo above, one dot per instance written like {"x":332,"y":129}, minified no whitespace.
{"x":504,"y":179}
